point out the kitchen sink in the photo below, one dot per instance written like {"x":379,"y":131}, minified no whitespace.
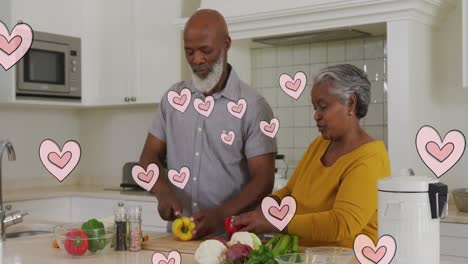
{"x":26,"y":233}
{"x":24,"y":230}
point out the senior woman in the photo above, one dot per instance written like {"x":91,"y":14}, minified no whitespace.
{"x":335,"y":182}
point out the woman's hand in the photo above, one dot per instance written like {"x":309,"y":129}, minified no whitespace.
{"x":255,"y":222}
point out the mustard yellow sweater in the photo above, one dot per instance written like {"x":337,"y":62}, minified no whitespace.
{"x":336,"y":203}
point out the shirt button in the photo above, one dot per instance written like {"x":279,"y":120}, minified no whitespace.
{"x":197,"y":154}
{"x":194,"y":178}
{"x":199,"y":129}
{"x":195,"y":204}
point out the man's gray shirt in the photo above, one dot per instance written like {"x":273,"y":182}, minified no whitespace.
{"x":218,"y":170}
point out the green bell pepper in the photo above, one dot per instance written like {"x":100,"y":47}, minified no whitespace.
{"x":96,"y":233}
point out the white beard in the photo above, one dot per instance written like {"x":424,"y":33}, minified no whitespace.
{"x":209,"y":82}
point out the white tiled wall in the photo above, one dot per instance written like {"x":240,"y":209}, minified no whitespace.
{"x":296,"y":117}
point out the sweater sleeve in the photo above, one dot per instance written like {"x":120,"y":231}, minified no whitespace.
{"x":355,"y":204}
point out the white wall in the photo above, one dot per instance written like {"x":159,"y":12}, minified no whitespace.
{"x":111,"y":137}
{"x":451,"y":96}
{"x":26,"y":128}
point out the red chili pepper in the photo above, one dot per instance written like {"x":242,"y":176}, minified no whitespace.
{"x":76,"y":242}
{"x":229,"y":227}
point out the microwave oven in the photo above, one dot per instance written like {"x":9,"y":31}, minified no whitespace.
{"x":51,"y":68}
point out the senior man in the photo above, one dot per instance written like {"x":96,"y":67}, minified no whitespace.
{"x":211,"y":126}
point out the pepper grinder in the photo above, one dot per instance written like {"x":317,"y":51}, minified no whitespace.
{"x":120,"y":219}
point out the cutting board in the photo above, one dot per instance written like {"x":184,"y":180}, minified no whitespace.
{"x":169,"y":243}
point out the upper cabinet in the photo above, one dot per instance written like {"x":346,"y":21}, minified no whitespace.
{"x":130,"y":49}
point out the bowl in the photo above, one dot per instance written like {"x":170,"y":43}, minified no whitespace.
{"x":332,"y":254}
{"x":303,"y":258}
{"x":76,"y":242}
{"x":460,"y":196}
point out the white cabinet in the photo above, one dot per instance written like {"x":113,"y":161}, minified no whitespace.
{"x":454,"y":241}
{"x":53,"y":209}
{"x":131,"y":50}
{"x":54,"y":16}
{"x":157,"y":49}
{"x":106,"y":51}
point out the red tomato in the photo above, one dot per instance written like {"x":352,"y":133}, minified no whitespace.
{"x":76,"y":242}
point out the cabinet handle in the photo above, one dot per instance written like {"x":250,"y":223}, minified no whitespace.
{"x":133,"y":98}
{"x":127,"y":99}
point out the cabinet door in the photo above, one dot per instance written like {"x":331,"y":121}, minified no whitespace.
{"x":53,"y":209}
{"x":106,"y":51}
{"x":53,"y":16}
{"x":157,"y":48}
{"x":453,"y":240}
{"x":151,"y":221}
{"x":84,"y":208}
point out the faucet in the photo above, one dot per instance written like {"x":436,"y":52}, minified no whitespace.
{"x":16,"y":216}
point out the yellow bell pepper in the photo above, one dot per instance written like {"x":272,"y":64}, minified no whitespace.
{"x":182,"y":228}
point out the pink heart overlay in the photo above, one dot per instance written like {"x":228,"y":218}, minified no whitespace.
{"x":279,"y":218}
{"x":204,"y":107}
{"x":59,"y":163}
{"x":179,"y":178}
{"x":228,"y":138}
{"x":9,"y":46}
{"x":146,"y":179}
{"x":279,"y":213}
{"x":270,"y":129}
{"x":171,"y":261}
{"x":374,"y":256}
{"x":14,"y":46}
{"x":237,"y":109}
{"x":439,"y":155}
{"x":179,"y":101}
{"x":174,"y":257}
{"x":367,"y":253}
{"x":293,"y":87}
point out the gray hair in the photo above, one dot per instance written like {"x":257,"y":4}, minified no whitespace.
{"x":347,"y":80}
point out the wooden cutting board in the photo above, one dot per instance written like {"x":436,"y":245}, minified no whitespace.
{"x":169,"y":243}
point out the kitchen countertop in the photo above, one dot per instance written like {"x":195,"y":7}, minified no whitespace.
{"x":79,"y":191}
{"x":38,"y":249}
{"x":454,"y":216}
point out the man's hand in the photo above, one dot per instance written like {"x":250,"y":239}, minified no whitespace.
{"x":169,"y":206}
{"x":255,"y":222}
{"x":207,"y":221}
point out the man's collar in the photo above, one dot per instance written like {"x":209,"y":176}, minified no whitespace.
{"x":230,"y":91}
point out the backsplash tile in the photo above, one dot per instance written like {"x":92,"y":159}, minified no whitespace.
{"x":336,"y":51}
{"x":355,"y":49}
{"x":301,"y":54}
{"x":297,"y":125}
{"x":318,"y":52}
